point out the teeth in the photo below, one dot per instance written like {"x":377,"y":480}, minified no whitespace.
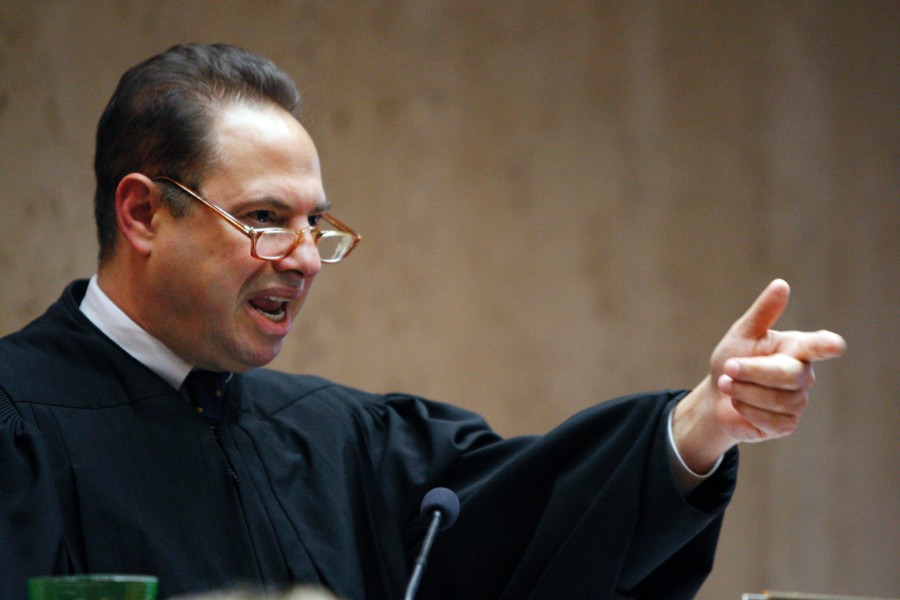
{"x":276,"y":316}
{"x":278,"y":313}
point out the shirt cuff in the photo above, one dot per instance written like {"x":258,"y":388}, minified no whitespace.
{"x":685,"y":479}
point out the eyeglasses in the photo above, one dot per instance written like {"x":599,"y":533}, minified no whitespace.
{"x":274,"y":243}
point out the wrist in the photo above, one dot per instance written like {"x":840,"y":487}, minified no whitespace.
{"x":698,"y":439}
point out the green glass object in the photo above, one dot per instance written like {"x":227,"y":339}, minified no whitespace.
{"x":93,"y":587}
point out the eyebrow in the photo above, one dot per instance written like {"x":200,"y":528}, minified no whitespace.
{"x":271,"y":202}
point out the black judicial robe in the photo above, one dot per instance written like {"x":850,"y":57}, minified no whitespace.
{"x":105,"y":468}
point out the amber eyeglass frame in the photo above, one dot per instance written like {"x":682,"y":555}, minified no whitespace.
{"x":254,"y":233}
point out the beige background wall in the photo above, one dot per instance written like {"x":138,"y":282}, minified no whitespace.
{"x":561,"y":202}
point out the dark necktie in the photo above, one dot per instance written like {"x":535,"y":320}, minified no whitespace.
{"x":206,"y":390}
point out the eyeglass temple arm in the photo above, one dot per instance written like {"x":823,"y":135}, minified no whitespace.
{"x":245,"y":229}
{"x":342,"y":226}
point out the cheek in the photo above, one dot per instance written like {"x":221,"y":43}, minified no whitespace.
{"x":209,"y":287}
{"x":224,"y":269}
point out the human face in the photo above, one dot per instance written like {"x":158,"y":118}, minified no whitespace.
{"x":217,"y":306}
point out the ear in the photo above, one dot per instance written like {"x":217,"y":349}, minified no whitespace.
{"x":138,"y":200}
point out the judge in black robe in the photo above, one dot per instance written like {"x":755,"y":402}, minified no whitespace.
{"x":104,"y":467}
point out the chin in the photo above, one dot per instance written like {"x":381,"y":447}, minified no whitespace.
{"x":262,"y":357}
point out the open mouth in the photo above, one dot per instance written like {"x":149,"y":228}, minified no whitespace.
{"x":271,"y":307}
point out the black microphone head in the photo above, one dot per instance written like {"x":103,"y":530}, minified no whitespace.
{"x":443,"y":500}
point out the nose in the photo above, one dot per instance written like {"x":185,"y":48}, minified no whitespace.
{"x":303,"y":259}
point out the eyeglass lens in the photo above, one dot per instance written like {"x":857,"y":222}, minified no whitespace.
{"x":332,"y":245}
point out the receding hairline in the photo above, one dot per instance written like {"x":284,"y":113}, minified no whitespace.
{"x":213,"y":152}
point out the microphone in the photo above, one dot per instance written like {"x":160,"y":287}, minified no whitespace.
{"x":440,"y":507}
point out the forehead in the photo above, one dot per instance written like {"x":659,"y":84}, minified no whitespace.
{"x":260,"y":133}
{"x":263,"y":149}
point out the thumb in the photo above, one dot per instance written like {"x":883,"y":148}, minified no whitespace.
{"x":765,"y":310}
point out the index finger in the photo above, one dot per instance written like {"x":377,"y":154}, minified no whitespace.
{"x":811,"y":346}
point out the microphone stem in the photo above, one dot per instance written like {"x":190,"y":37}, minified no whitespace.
{"x":422,"y":559}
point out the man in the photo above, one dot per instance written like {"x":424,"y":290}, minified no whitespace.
{"x":111,"y":460}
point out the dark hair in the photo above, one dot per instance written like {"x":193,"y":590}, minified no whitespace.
{"x":159,"y":119}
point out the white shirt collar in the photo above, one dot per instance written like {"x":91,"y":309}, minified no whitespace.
{"x":134,"y":340}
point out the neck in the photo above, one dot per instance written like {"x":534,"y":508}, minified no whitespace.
{"x":118,"y":281}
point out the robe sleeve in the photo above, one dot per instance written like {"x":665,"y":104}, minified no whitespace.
{"x":30,"y":516}
{"x":589,"y":510}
